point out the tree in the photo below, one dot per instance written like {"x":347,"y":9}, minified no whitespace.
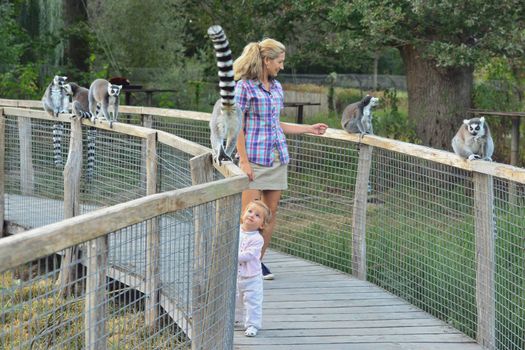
{"x":440,"y":41}
{"x":138,"y":34}
{"x":77,"y":47}
{"x":11,"y":48}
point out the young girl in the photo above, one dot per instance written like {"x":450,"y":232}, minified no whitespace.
{"x":249,"y":296}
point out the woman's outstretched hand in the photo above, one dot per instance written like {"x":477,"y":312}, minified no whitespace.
{"x":318,"y":129}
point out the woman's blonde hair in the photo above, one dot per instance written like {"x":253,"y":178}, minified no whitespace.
{"x":250,"y":64}
{"x":267,"y":212}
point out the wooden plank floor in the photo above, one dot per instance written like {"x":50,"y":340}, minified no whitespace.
{"x":309,"y":306}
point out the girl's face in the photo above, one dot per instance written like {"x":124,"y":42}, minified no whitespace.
{"x":273,"y":66}
{"x":253,"y":218}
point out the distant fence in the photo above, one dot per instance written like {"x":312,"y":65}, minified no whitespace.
{"x":356,"y":81}
{"x":446,"y":234}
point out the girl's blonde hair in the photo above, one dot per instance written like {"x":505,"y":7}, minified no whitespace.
{"x":250,"y":64}
{"x":267,"y":212}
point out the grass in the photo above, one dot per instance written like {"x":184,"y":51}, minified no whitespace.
{"x":33,"y":316}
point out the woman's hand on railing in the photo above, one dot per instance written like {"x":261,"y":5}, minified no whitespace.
{"x":247,"y":169}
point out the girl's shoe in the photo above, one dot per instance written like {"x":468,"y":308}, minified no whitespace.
{"x":251,"y":331}
{"x":267,"y":275}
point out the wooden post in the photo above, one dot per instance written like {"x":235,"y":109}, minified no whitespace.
{"x":152,"y":278}
{"x":95,"y":308}
{"x":147,"y":121}
{"x":515,"y":141}
{"x":359,"y":213}
{"x":514,"y":158}
{"x":222,"y":280}
{"x":27,"y":174}
{"x":201,"y":172}
{"x":72,"y":175}
{"x":2,"y":173}
{"x":97,"y":250}
{"x":300,"y":112}
{"x":485,"y":259}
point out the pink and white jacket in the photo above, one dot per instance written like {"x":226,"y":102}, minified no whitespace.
{"x":250,"y":248}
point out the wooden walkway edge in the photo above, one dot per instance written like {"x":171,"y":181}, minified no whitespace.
{"x":309,"y":306}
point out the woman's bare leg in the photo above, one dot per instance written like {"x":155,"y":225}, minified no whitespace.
{"x":271,"y":199}
{"x":248,"y":196}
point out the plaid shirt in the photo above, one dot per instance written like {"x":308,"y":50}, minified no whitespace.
{"x":262,"y":128}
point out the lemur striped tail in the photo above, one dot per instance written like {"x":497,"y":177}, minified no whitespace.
{"x":58,"y":132}
{"x":225,"y":65}
{"x":90,"y":165}
{"x":83,"y":114}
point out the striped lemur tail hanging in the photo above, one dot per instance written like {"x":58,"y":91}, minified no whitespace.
{"x":58,"y":132}
{"x":226,"y":119}
{"x":223,"y":55}
{"x":90,"y":165}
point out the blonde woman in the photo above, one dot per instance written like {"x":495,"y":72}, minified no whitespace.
{"x":261,"y":145}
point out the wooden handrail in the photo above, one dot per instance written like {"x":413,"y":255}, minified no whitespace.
{"x":504,"y":171}
{"x":186,"y":146}
{"x":43,"y":241}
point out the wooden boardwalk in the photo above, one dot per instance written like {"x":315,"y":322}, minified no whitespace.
{"x":309,"y":306}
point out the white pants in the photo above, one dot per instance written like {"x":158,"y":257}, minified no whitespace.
{"x":248,"y":301}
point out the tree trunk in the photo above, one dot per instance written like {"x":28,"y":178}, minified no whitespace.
{"x":438,"y":98}
{"x":76,"y":51}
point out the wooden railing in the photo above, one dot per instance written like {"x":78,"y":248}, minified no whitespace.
{"x":482,"y":177}
{"x":93,"y":228}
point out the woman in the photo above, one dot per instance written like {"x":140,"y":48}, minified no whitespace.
{"x":261,"y":145}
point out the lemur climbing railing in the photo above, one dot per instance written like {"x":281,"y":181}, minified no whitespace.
{"x":446,"y":234}
{"x":154,"y":270}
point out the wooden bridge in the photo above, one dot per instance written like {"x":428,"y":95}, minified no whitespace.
{"x":418,"y":221}
{"x":307,"y":306}
{"x":310,"y":307}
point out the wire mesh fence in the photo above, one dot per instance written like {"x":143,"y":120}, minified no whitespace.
{"x":358,"y":81}
{"x":448,"y":238}
{"x":164,"y":281}
{"x":421,"y":222}
{"x":114,"y":301}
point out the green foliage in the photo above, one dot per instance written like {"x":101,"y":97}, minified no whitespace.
{"x":392,"y":123}
{"x":450,"y":33}
{"x":141,"y":35}
{"x":12,"y":38}
{"x":344,"y":97}
{"x":20,"y":83}
{"x":500,"y":88}
{"x":16,"y":80}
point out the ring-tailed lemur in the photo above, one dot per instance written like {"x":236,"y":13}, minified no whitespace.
{"x":105,"y":95}
{"x":226,"y":118}
{"x":80,"y":108}
{"x":55,"y":101}
{"x":473,"y":140}
{"x":357,"y":117}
